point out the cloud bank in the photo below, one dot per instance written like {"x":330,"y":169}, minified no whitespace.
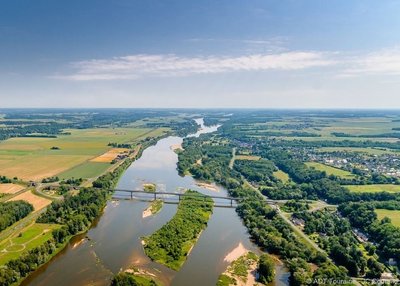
{"x":383,"y":62}
{"x":137,"y":66}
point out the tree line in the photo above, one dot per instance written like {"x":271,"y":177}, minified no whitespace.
{"x":11,"y":212}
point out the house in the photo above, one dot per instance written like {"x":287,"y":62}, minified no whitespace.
{"x":298,"y":221}
{"x":361,"y":237}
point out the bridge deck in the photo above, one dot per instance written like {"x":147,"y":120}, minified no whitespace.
{"x":160,"y":195}
{"x":178,"y":194}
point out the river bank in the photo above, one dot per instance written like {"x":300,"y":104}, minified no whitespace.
{"x":114,"y":243}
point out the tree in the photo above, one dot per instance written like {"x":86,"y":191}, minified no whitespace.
{"x":266,"y":269}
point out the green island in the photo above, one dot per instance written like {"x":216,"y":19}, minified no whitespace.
{"x":249,"y":269}
{"x":131,"y":279}
{"x":171,"y":244}
{"x":150,"y":188}
{"x":154,"y":207}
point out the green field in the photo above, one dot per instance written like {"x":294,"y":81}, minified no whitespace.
{"x":282,"y":176}
{"x":394,"y":215}
{"x":33,"y":159}
{"x":371,"y":151}
{"x":29,"y":238}
{"x":354,"y":126}
{"x":374,"y":188}
{"x":330,"y":170}
{"x":247,"y":157}
{"x":85,"y":170}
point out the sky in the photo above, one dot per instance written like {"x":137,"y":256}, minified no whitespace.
{"x":217,"y":53}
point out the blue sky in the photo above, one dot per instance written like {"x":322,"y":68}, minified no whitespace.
{"x":272,"y":54}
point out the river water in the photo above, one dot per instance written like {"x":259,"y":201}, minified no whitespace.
{"x":114,"y":241}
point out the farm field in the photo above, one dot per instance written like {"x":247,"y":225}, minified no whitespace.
{"x":85,"y":170}
{"x":10,"y":188}
{"x":394,"y":215}
{"x":28,"y":238}
{"x":36,"y":201}
{"x":332,"y":138}
{"x":35,"y":158}
{"x":282,"y":176}
{"x":330,"y":170}
{"x":247,"y":157}
{"x":353,"y":126}
{"x":371,"y":151}
{"x":110,"y":155}
{"x":374,"y":188}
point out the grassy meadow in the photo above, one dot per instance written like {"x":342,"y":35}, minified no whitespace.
{"x":27,"y":239}
{"x":394,"y":215}
{"x":284,"y":177}
{"x":377,"y":188}
{"x":85,"y":170}
{"x":330,"y":170}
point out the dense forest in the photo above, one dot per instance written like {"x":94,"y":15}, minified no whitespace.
{"x":259,"y":172}
{"x":11,"y":212}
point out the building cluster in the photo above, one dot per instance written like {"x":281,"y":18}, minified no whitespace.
{"x":387,"y":164}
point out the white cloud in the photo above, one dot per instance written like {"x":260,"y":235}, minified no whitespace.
{"x":142,"y":65}
{"x":383,"y":62}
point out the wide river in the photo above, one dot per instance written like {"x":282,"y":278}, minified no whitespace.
{"x":114,"y":241}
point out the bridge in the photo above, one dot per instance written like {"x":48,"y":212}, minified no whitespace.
{"x":165,"y":195}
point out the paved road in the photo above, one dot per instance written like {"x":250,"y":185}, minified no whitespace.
{"x":297,"y":231}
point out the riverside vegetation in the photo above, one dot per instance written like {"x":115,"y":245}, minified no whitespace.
{"x":171,"y":244}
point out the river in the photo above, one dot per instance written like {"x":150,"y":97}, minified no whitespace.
{"x":114,"y":241}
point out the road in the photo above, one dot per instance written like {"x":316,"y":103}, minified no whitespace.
{"x":232,"y":161}
{"x":298,"y":231}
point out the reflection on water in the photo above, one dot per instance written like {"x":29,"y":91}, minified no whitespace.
{"x":114,"y":243}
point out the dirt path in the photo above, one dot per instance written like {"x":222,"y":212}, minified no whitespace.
{"x":232,"y":161}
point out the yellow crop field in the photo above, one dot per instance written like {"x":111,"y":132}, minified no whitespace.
{"x":110,"y":155}
{"x":39,"y":167}
{"x":37,"y":202}
{"x":10,"y":188}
